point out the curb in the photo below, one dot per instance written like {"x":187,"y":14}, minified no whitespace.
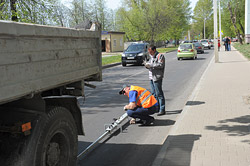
{"x":160,"y":156}
{"x":111,"y":65}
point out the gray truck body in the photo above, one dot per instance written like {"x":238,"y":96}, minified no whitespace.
{"x":35,"y":58}
{"x":42,"y":71}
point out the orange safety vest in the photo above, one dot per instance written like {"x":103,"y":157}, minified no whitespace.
{"x":144,"y":98}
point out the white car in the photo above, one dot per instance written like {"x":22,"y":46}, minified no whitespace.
{"x":206,"y":43}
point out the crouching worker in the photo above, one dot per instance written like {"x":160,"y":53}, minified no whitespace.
{"x":141,"y":105}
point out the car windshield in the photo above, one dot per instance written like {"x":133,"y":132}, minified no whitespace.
{"x":186,"y":46}
{"x":204,"y":41}
{"x":135,"y":48}
{"x":197,"y":44}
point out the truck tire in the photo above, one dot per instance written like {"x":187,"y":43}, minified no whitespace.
{"x":57,"y":144}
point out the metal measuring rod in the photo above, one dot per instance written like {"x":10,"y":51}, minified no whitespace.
{"x":108,"y":130}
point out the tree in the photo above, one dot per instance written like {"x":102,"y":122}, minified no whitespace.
{"x":203,"y":12}
{"x":180,"y":22}
{"x":151,"y":20}
{"x":79,"y":12}
{"x":32,"y":11}
{"x":233,"y":18}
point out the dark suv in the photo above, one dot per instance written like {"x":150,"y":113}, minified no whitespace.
{"x":135,"y":54}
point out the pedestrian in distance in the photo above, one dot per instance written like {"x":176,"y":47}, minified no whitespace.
{"x":226,"y":43}
{"x":229,"y":44}
{"x":141,"y":105}
{"x":156,"y":67}
{"x":219,"y":45}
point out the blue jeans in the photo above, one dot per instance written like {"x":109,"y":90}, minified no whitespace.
{"x":156,"y":89}
{"x":226,"y":47}
{"x":142,"y":113}
{"x":229,"y":47}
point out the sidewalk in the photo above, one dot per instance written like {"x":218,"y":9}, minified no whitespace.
{"x":214,"y":127}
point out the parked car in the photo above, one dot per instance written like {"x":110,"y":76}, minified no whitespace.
{"x":186,"y":50}
{"x":135,"y":54}
{"x":199,"y":47}
{"x":234,"y":40}
{"x":211,"y":41}
{"x":206,"y":43}
{"x":187,"y":41}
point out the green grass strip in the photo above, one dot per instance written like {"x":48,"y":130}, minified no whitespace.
{"x":164,"y":50}
{"x":111,"y":59}
{"x":244,"y":49}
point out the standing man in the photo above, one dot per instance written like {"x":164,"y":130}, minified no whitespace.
{"x":141,"y":105}
{"x":229,"y":44}
{"x":156,"y":66}
{"x":226,"y":43}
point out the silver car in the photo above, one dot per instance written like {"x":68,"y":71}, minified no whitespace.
{"x":206,"y":43}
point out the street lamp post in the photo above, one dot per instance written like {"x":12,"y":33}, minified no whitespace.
{"x":215,"y":33}
{"x":220,"y":24}
{"x":247,"y":21}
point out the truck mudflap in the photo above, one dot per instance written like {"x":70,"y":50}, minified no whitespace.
{"x":72,"y":105}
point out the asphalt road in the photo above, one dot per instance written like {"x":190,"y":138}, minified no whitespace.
{"x":136,"y":145}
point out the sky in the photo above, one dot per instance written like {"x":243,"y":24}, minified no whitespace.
{"x":114,"y":4}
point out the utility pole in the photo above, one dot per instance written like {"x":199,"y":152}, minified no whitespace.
{"x":220,"y":24}
{"x":247,"y":21}
{"x":215,"y":33}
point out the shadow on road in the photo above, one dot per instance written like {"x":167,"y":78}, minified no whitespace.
{"x":195,"y":103}
{"x":173,"y":112}
{"x":163,"y":122}
{"x":178,"y":149}
{"x":111,"y":154}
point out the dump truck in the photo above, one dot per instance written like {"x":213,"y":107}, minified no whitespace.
{"x":43,"y":71}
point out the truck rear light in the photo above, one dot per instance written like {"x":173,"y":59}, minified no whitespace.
{"x":199,"y":47}
{"x":179,"y":50}
{"x":192,"y":50}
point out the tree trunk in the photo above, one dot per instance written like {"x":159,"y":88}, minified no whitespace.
{"x":233,"y":19}
{"x":242,"y":28}
{"x":175,"y":41}
{"x":13,"y":10}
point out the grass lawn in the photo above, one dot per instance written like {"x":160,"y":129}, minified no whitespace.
{"x":244,"y":49}
{"x":111,"y":59}
{"x":163,"y":50}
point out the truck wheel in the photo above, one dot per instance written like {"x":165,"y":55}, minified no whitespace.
{"x":57,"y":144}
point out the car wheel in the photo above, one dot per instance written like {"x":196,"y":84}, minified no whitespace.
{"x":124,"y":64}
{"x":178,"y":59}
{"x":209,"y":48}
